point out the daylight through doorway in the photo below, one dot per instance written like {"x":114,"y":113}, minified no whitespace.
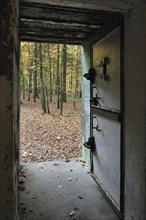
{"x":50,"y":102}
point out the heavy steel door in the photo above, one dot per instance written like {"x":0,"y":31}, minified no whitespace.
{"x":105,"y":115}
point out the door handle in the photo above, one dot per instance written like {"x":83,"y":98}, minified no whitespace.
{"x":104,"y":64}
{"x":90,"y":144}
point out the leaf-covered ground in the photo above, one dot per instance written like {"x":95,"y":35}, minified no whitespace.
{"x":50,"y":136}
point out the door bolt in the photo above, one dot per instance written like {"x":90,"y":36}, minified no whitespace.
{"x":97,"y":128}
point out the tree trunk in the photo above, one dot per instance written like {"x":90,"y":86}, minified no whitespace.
{"x":43,"y":98}
{"x":47,"y":100}
{"x":23,"y":80}
{"x":50,"y":73}
{"x":61,"y":84}
{"x":30,"y":74}
{"x":36,"y":95}
{"x":64,"y":99}
{"x":71,"y":83}
{"x":29,"y":84}
{"x":58,"y":78}
{"x":77,"y":75}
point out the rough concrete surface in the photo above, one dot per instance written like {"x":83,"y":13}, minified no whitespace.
{"x":58,"y":190}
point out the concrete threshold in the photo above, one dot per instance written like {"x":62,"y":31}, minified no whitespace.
{"x":59,"y":190}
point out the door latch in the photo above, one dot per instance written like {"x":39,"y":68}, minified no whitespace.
{"x":91,"y":75}
{"x":97,"y":128}
{"x":95,"y":100}
{"x":90,"y":144}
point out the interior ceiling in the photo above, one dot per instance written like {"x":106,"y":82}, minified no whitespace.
{"x":44,"y":22}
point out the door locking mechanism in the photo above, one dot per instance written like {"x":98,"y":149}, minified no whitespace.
{"x":90,"y":144}
{"x":91,"y":75}
{"x":104,"y":64}
{"x":95,"y":100}
{"x":97,"y":126}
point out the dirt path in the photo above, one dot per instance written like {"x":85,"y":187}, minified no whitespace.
{"x":48,"y":137}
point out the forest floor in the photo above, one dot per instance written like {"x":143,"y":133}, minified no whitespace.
{"x":46,"y":137}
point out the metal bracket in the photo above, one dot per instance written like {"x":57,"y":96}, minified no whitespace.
{"x":95,"y":100}
{"x":91,"y":75}
{"x":97,"y":127}
{"x":90,"y":144}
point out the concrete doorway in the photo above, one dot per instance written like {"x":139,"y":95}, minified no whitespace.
{"x":133,"y":167}
{"x":82,"y":25}
{"x":66,"y":187}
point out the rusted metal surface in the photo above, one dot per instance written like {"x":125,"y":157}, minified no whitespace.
{"x":44,"y":22}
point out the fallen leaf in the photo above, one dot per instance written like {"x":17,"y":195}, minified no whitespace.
{"x":55,"y":164}
{"x":72,"y":213}
{"x":69,"y":179}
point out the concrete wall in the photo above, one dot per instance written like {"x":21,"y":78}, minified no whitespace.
{"x":85,"y":102}
{"x":9,"y":53}
{"x":134,"y":115}
{"x":135,"y":112}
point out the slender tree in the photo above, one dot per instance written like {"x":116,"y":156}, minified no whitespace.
{"x":35,"y":75}
{"x":64,"y":98}
{"x":47,"y":100}
{"x":58,"y":78}
{"x":43,"y":99}
{"x":22,"y":78}
{"x":30,"y":71}
{"x":29,"y":84}
{"x":77,"y":75}
{"x":50,"y":72}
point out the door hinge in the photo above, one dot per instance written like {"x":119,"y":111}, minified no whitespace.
{"x":90,"y":144}
{"x":91,"y":75}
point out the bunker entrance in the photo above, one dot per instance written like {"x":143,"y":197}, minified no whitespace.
{"x":55,"y":189}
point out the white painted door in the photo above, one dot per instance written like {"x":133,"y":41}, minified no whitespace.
{"x":105,"y":115}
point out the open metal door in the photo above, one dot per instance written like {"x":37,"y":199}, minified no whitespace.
{"x":105,"y":103}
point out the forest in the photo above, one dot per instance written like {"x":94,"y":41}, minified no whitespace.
{"x":50,"y":71}
{"x":50,"y":83}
